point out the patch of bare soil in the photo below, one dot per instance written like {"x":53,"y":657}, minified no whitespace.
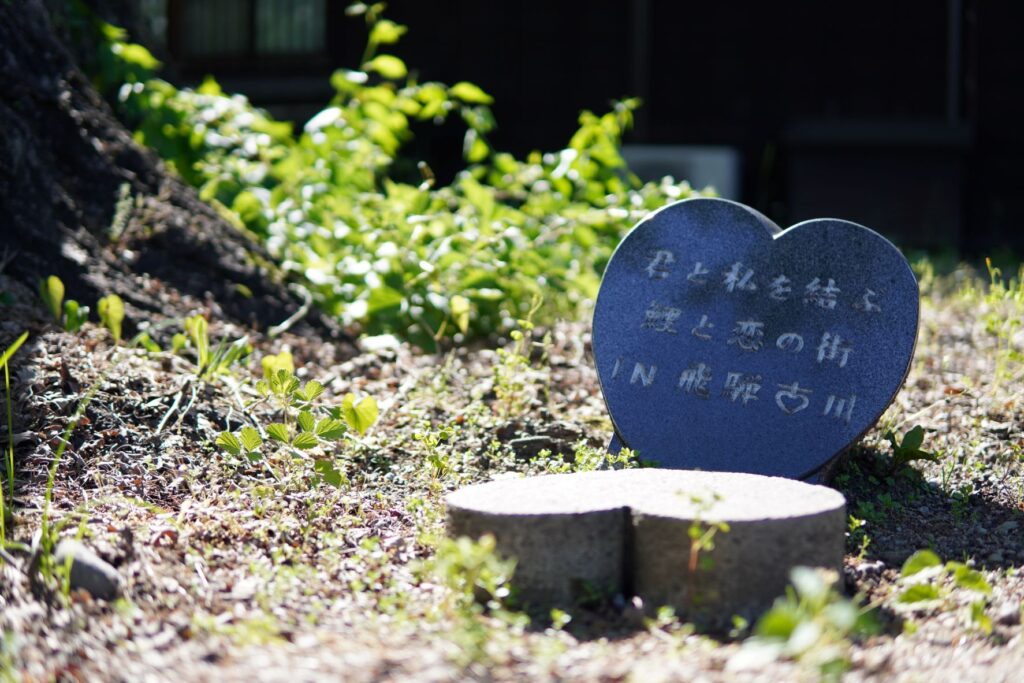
{"x":253,"y":570}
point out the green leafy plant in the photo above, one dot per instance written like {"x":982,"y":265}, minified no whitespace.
{"x":306,"y":425}
{"x":111,"y":312}
{"x":926,"y":582}
{"x":812,"y":624}
{"x":908,"y":449}
{"x":367,"y":230}
{"x":432,"y":439}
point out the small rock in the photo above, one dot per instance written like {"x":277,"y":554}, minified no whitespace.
{"x":1009,"y":614}
{"x":88,"y":571}
{"x":996,"y":558}
{"x":865,"y":569}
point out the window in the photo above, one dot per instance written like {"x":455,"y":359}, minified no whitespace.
{"x":227,"y":29}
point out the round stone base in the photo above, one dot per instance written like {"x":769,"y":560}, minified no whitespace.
{"x":629,"y":532}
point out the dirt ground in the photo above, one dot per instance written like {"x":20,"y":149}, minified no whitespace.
{"x":242,"y":570}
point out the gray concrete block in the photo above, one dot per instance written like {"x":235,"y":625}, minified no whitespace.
{"x":627,"y":532}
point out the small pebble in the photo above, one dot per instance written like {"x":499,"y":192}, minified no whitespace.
{"x":88,"y":571}
{"x":1009,"y":614}
{"x":865,"y":569}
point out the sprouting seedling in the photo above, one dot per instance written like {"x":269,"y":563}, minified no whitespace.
{"x":111,"y":310}
{"x":52,"y":292}
{"x":68,"y":313}
{"x":75,"y":315}
{"x":211,"y":361}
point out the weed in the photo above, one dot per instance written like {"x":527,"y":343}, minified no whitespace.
{"x":702,"y":534}
{"x":9,"y":459}
{"x":306,"y":424}
{"x":586,"y":459}
{"x":216,"y":361}
{"x":51,"y":290}
{"x":69,"y":314}
{"x":908,"y":449}
{"x":1005,"y":303}
{"x":812,"y":624}
{"x":478,"y":584}
{"x":857,"y":533}
{"x":926,"y":585}
{"x":438,"y":459}
{"x":510,"y":372}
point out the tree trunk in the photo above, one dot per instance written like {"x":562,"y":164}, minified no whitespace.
{"x":66,"y":161}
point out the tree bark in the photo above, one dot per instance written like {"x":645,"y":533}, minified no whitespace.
{"x":65,"y":161}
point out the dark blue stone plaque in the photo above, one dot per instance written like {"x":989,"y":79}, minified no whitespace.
{"x":725,"y":343}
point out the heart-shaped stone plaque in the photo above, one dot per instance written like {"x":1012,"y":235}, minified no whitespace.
{"x":725,"y":343}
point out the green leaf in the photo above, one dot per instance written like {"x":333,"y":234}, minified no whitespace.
{"x":52,"y":292}
{"x":460,"y":312}
{"x":919,"y":592}
{"x":913,"y":439}
{"x":970,"y":579}
{"x":778,"y":622}
{"x":74,"y":315}
{"x":146,"y":342}
{"x":274,"y":362}
{"x":330,"y":474}
{"x":386,"y":32}
{"x":111,"y":311}
{"x":305,"y":440}
{"x":330,"y":428}
{"x":359,"y":416}
{"x":919,"y":561}
{"x":178,"y":342}
{"x":388,"y":66}
{"x":13,"y":348}
{"x":250,"y":438}
{"x":474,"y":148}
{"x":313,"y":390}
{"x":278,"y":432}
{"x":229,"y":442}
{"x":979,"y":618}
{"x":198,"y":331}
{"x":469,"y":93}
{"x":306,"y":421}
